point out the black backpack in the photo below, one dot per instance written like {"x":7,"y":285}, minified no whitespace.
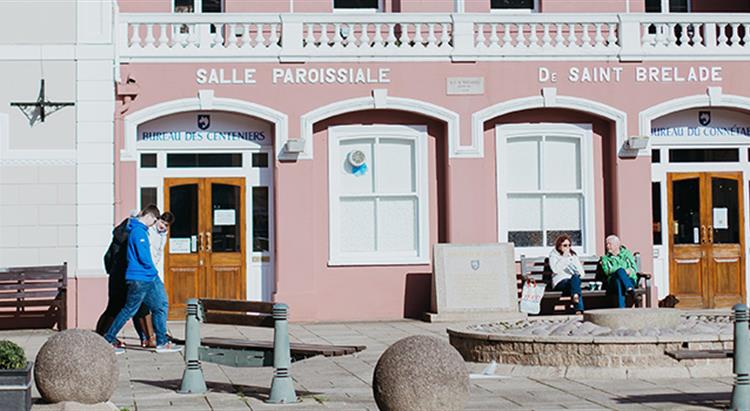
{"x":116,"y":257}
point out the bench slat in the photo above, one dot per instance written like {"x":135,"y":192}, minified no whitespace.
{"x":262,"y":307}
{"x":262,"y":320}
{"x":27,"y":286}
{"x":297,"y":348}
{"x":29,"y":303}
{"x":31,"y":276}
{"x":29,"y":294}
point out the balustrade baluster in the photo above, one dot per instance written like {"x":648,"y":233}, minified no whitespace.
{"x":507,"y":39}
{"x":338,"y":40}
{"x":310,"y":37}
{"x":559,"y":38}
{"x":163,"y":39}
{"x":520,"y":35}
{"x":418,"y":40}
{"x":494,"y":41}
{"x":546,"y":38}
{"x":684,"y":38}
{"x":722,"y":40}
{"x":646,"y":39}
{"x":219,"y":35}
{"x":149,"y":40}
{"x":273,"y":37}
{"x":585,"y":37}
{"x":735,"y":40}
{"x":598,"y":37}
{"x":232,"y":36}
{"x":403,"y":37}
{"x":260,"y":40}
{"x":390,"y":37}
{"x":533,"y":38}
{"x":661,"y":35}
{"x":746,"y":37}
{"x":611,"y":35}
{"x":572,"y":39}
{"x":431,"y":38}
{"x":697,"y":37}
{"x":135,"y":38}
{"x":671,"y":37}
{"x":444,"y":36}
{"x":479,"y":37}
{"x":324,"y":41}
{"x":364,"y":36}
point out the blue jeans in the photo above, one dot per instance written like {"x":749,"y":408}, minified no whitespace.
{"x":571,"y":286}
{"x":153,"y":296}
{"x":619,"y":283}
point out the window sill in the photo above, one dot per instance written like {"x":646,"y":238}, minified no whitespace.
{"x":383,"y":262}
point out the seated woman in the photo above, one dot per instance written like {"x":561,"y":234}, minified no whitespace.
{"x":567,"y":270}
{"x":618,"y":265}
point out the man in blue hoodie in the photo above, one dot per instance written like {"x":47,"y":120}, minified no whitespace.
{"x":144,"y":285}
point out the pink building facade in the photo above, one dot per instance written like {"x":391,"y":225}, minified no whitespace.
{"x":314,"y":153}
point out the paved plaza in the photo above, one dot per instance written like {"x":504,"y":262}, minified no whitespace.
{"x":148,"y":380}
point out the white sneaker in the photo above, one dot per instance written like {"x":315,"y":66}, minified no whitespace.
{"x":118,"y":350}
{"x":168,"y":347}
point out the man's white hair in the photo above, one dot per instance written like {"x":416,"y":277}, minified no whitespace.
{"x":613,"y":238}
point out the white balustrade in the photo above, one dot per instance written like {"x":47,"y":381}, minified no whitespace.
{"x":463,"y":36}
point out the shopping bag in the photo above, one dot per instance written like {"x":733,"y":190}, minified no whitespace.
{"x":531,"y":297}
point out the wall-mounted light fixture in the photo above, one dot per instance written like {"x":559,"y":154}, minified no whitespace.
{"x":637,"y":142}
{"x":294,"y":146}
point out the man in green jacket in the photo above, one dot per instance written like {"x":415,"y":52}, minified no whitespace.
{"x":619,"y":267}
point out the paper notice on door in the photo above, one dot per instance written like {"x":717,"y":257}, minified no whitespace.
{"x":224,"y":217}
{"x":696,"y":235}
{"x":193,"y":243}
{"x":721,"y":218}
{"x":179,"y":245}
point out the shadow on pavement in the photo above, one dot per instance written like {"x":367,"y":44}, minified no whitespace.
{"x":717,"y":400}
{"x":260,"y":393}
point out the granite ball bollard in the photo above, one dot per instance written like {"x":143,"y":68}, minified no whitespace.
{"x":76,"y":365}
{"x":420,"y":373}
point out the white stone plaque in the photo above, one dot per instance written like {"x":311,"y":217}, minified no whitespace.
{"x":465,"y":86}
{"x":474,"y":282}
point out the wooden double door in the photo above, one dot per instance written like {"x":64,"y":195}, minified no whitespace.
{"x":205,"y":256}
{"x":706,"y":230}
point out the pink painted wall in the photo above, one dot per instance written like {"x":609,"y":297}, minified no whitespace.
{"x":140,"y":6}
{"x":318,"y":292}
{"x":588,"y":6}
{"x":90,"y":296}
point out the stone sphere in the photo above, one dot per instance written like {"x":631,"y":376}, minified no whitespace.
{"x":76,"y":365}
{"x":420,"y":373}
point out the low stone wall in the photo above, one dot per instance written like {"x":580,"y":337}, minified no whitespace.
{"x":566,"y":351}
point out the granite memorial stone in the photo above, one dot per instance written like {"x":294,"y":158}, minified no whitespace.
{"x":474,"y":282}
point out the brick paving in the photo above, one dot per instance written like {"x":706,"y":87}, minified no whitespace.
{"x":148,"y":380}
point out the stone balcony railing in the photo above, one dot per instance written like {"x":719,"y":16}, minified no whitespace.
{"x":412,"y":36}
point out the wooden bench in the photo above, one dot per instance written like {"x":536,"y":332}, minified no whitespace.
{"x":33,"y":297}
{"x":537,"y":268}
{"x":279,"y":353}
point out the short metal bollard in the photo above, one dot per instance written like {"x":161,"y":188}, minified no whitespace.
{"x":741,"y":390}
{"x":192,"y":378}
{"x":282,"y":385}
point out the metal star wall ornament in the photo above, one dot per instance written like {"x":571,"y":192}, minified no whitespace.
{"x":41,"y":108}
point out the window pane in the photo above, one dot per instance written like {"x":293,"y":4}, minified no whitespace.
{"x":186,"y":214}
{"x":522,"y":168}
{"x":148,"y":160}
{"x":704,"y":155}
{"x":260,"y":160}
{"x":398,"y":176}
{"x":260,"y":219}
{"x":397,"y":221}
{"x":525,"y":220}
{"x":653,"y":6}
{"x":212,"y":6}
{"x":183,"y":6}
{"x":351,"y":180}
{"x":725,"y":213}
{"x":656,"y":156}
{"x":562,"y":215}
{"x":686,"y":211}
{"x":512,"y":4}
{"x":355,"y":4}
{"x":678,"y":6}
{"x":656,"y":211}
{"x":225,"y":206}
{"x":562,"y":163}
{"x":208,"y":160}
{"x":148,"y":196}
{"x":357,"y":225}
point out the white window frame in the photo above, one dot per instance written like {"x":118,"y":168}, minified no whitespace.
{"x":364,"y":11}
{"x":516,"y":11}
{"x":417,"y":134}
{"x":581,"y":131}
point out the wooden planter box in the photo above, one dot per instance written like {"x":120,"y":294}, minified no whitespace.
{"x":15,"y":389}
